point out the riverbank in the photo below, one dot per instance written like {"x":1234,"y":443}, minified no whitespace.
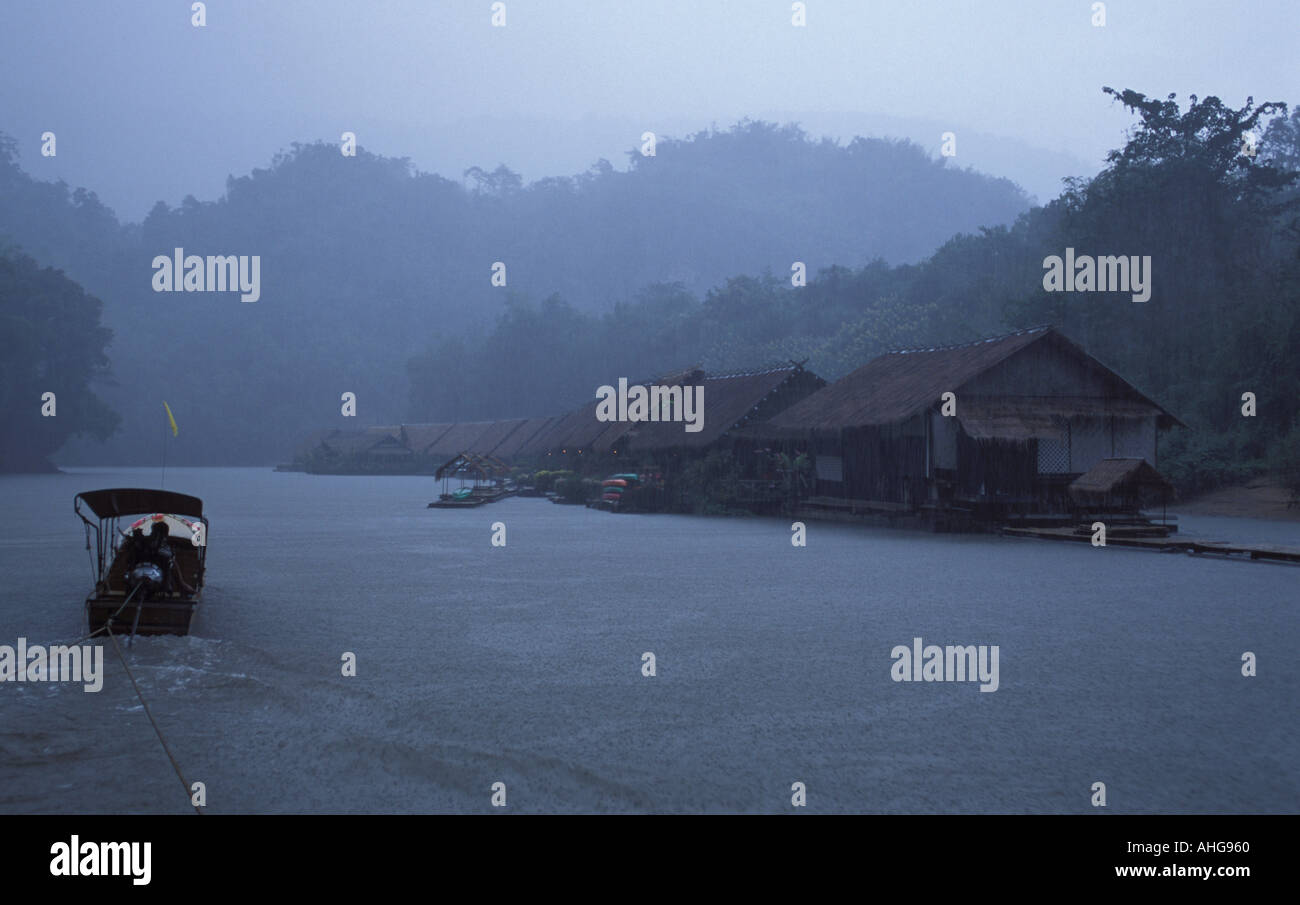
{"x":1261,"y":499}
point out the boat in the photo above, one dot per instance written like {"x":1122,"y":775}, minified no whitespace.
{"x":132,"y":591}
{"x":465,"y":498}
{"x":612,"y":490}
{"x":489,"y":477}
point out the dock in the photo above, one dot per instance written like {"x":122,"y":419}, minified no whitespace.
{"x":476,"y":497}
{"x":467,"y":503}
{"x":1267,"y":552}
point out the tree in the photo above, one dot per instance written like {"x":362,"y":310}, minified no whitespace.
{"x":51,"y":341}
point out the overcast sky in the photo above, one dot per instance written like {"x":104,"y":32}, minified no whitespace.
{"x":147,"y":107}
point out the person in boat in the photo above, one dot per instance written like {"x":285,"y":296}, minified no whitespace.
{"x":143,"y":573}
{"x":160,"y":553}
{"x":135,"y":549}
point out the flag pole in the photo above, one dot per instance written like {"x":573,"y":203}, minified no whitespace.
{"x":171,"y":422}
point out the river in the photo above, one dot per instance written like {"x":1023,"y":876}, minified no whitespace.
{"x":522,"y":664}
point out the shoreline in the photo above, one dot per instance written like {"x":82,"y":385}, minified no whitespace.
{"x":1260,"y":499}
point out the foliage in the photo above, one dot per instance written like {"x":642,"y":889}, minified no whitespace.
{"x":376,"y":276}
{"x":577,"y":489}
{"x":1284,"y":460}
{"x":51,"y":341}
{"x":545,"y":481}
{"x":381,"y":286}
{"x":710,"y":484}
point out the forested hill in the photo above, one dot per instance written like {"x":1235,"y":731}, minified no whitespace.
{"x":716,"y":204}
{"x":366,"y":262}
{"x":375,"y":281}
{"x":1220,"y":226}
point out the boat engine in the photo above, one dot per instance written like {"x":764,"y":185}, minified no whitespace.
{"x":148,"y":574}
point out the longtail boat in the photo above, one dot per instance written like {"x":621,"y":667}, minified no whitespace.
{"x":148,"y":577}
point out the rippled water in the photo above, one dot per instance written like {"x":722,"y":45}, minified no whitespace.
{"x":522,"y":664}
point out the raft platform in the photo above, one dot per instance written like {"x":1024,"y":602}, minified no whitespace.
{"x":1269,"y":552}
{"x":475,"y":498}
{"x":467,"y":503}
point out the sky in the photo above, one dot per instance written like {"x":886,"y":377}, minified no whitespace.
{"x":148,"y":107}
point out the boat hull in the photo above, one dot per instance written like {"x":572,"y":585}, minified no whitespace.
{"x":171,"y":615}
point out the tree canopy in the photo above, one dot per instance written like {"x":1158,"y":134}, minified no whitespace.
{"x":52,"y":349}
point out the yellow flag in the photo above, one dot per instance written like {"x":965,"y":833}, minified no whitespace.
{"x":171,"y":420}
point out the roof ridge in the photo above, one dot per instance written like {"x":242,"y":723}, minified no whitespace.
{"x":1040,"y":328}
{"x":753,"y":372}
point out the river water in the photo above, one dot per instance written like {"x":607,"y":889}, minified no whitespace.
{"x":522,"y":664}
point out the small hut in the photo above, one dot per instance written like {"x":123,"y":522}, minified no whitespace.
{"x":1120,"y":484}
{"x":486,"y":476}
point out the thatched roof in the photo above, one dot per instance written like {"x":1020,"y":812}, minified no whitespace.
{"x":452,"y":438}
{"x":895,"y":386}
{"x":521,"y":439}
{"x":459,"y":438}
{"x":419,"y":437}
{"x":578,"y":431}
{"x":729,"y":401}
{"x":315,"y":440}
{"x":352,"y":442}
{"x":1118,"y":475}
{"x":496,"y":434}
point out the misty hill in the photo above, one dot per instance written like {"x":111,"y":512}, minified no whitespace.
{"x":51,"y":351}
{"x":366,"y":262}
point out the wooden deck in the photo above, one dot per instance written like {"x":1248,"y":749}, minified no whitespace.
{"x":840,"y":504}
{"x":476,"y":498}
{"x":1272,"y":552}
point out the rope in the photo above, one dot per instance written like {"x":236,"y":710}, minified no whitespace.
{"x":108,"y":627}
{"x":79,"y":640}
{"x":177,"y":767}
{"x":89,"y":556}
{"x":105,"y":625}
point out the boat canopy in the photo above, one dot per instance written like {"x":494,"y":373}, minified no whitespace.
{"x":138,"y":501}
{"x":178,"y":526}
